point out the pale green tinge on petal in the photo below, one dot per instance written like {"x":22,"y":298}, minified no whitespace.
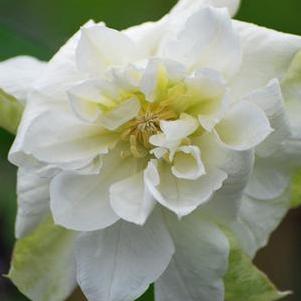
{"x":10,"y":112}
{"x":244,"y":281}
{"x":291,"y":87}
{"x":296,"y":190}
{"x":43,"y":266}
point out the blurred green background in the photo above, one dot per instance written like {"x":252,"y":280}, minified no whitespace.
{"x":39,"y":28}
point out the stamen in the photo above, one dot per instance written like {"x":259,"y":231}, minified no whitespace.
{"x":146,"y":124}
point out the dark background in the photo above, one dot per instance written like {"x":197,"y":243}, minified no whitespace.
{"x":40,"y":27}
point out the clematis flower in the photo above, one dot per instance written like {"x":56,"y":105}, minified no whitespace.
{"x":143,"y":142}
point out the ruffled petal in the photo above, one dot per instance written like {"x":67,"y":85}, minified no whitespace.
{"x":119,"y":263}
{"x":188,"y":195}
{"x":187,"y":163}
{"x":208,"y":40}
{"x":237,"y":165}
{"x":270,"y":100}
{"x":180,"y":128}
{"x":267,"y":54}
{"x":244,"y":126}
{"x":100,"y":47}
{"x":18,"y":74}
{"x":131,"y":199}
{"x":82,"y":202}
{"x":257,"y":219}
{"x":33,"y":202}
{"x":199,"y":264}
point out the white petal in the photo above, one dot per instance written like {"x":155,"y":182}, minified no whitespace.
{"x":162,"y":141}
{"x":82,"y":202}
{"x":131,"y":200}
{"x":244,"y":126}
{"x":157,"y":75}
{"x":237,"y":165}
{"x":119,"y":263}
{"x":291,"y":87}
{"x":78,"y":202}
{"x":209,"y":90}
{"x":187,"y":163}
{"x":199,"y":264}
{"x":18,"y":74}
{"x":206,"y":40}
{"x":147,"y":36}
{"x":59,"y":137}
{"x":33,"y":202}
{"x":101,"y":47}
{"x":266,"y":55}
{"x":257,"y":219}
{"x":231,"y":5}
{"x":268,"y":180}
{"x":179,"y":129}
{"x":179,"y":195}
{"x":120,"y":115}
{"x":61,"y":71}
{"x":84,"y":98}
{"x":270,"y":100}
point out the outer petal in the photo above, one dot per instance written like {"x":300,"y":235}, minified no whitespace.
{"x":82,"y":202}
{"x":216,"y":46}
{"x":18,"y":74}
{"x":243,"y":127}
{"x":231,"y":5}
{"x":149,"y":34}
{"x":61,"y":71}
{"x":100,"y":47}
{"x":131,"y":199}
{"x":43,"y":264}
{"x":58,"y":137}
{"x":237,"y":165}
{"x":291,"y":86}
{"x":119,"y":263}
{"x":270,"y":100}
{"x":189,"y":193}
{"x":196,"y":270}
{"x":266,"y":55}
{"x":269,"y":179}
{"x":257,"y":219}
{"x":33,"y":202}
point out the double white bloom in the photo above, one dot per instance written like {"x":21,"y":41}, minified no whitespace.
{"x":145,"y":140}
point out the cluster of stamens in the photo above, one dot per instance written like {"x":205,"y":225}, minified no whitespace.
{"x":146,"y":124}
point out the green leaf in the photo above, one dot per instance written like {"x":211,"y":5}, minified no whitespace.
{"x":244,"y":281}
{"x":296,"y":190}
{"x":10,"y":112}
{"x":43,"y":266}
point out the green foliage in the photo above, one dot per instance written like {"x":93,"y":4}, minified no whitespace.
{"x":244,"y":281}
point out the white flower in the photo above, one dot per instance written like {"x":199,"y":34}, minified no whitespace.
{"x":147,"y":139}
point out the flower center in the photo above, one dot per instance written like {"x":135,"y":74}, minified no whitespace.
{"x":141,"y":128}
